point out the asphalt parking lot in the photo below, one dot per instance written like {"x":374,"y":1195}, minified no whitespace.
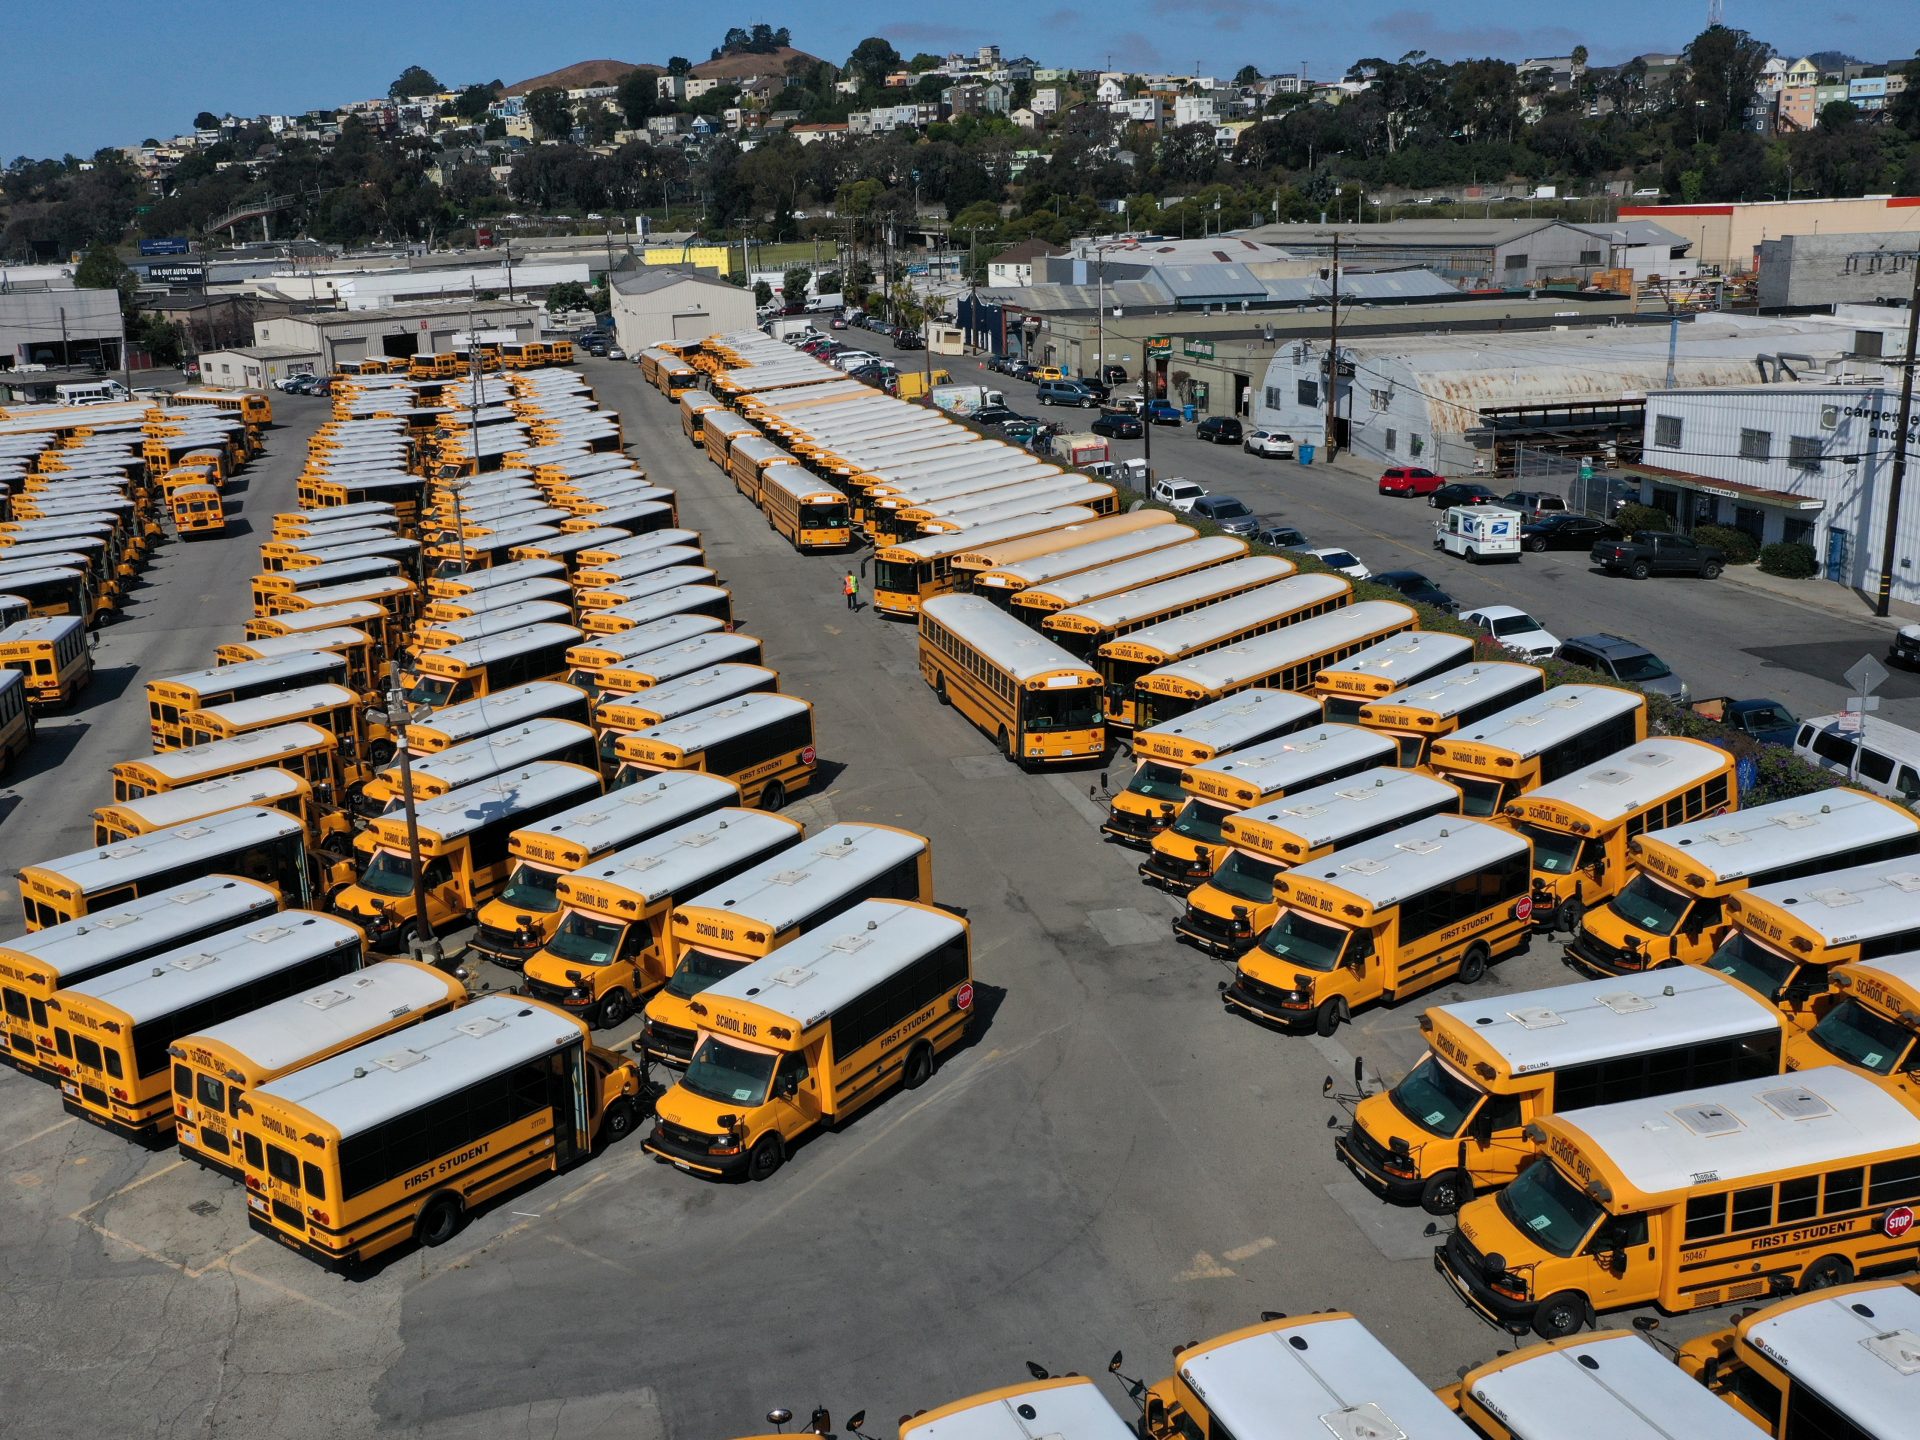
{"x":1111,"y":1162}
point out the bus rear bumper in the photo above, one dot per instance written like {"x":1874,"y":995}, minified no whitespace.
{"x":155,"y":1134}
{"x":330,"y":1260}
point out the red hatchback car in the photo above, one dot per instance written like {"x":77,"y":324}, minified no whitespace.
{"x":1410,"y":480}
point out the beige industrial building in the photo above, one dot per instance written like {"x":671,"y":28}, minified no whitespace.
{"x":341,"y":335}
{"x":655,"y":305}
{"x":255,"y":367}
{"x":1730,"y":235}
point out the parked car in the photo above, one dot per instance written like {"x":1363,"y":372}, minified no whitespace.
{"x":1022,"y":431}
{"x":1767,"y":721}
{"x":994,"y":414}
{"x":1281,"y":537}
{"x":1418,"y":588}
{"x":1275,"y":444}
{"x":1881,"y":757}
{"x":1334,"y":558}
{"x":1566,"y":532}
{"x":839,"y":322}
{"x":1118,"y":425}
{"x":1409,"y":480}
{"x":1114,"y":374}
{"x":1013,"y":418}
{"x":1037,"y":373}
{"x":1534,"y":504}
{"x":614,"y":352}
{"x":1904,"y":651}
{"x":1623,"y":660}
{"x":908,"y":340}
{"x":1460,"y":492}
{"x":1229,"y":514}
{"x":1177,"y":493}
{"x":1220,"y":430}
{"x":1652,"y":552}
{"x":1163,"y":412}
{"x":1515,"y":629}
{"x":1065,"y":392}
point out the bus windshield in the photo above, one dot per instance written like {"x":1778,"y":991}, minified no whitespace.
{"x":896,"y":576}
{"x":1246,"y":878}
{"x":590,"y":941}
{"x":389,"y":873}
{"x":1650,"y":905}
{"x":1753,"y":964}
{"x":1544,"y":1204}
{"x":432,"y":691}
{"x":1200,"y":821}
{"x":1156,"y":781}
{"x":1855,"y":1035}
{"x":1312,"y":944}
{"x":821,"y":517}
{"x":699,"y":969}
{"x":729,"y":1074}
{"x":1436,"y":1099}
{"x":1554,"y":851}
{"x":1062,"y":709}
{"x":532,"y":888}
{"x":1479,"y":797}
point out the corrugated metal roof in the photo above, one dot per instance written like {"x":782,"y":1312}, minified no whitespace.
{"x":1636,"y":232}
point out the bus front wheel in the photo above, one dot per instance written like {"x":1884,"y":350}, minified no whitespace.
{"x":1571,"y":911}
{"x":1473,"y":967}
{"x":618,"y":1122}
{"x":1330,"y":1016}
{"x":774,"y":796}
{"x":439,"y":1222}
{"x":615,"y":1008}
{"x":1559,"y":1316}
{"x":1446,"y":1192}
{"x":919,"y":1066}
{"x":767,"y":1157}
{"x":1825,"y":1273}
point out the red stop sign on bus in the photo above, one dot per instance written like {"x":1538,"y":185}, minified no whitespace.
{"x":1523,"y":908}
{"x":963,"y":999}
{"x":1899,"y":1220}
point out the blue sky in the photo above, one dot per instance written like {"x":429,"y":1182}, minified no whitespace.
{"x":78,"y":77}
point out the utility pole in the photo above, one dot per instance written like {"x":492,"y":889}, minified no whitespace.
{"x":1333,"y":354}
{"x":1896,"y":482}
{"x":397,"y":709}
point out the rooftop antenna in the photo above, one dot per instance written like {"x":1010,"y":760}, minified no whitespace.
{"x":1716,"y":12}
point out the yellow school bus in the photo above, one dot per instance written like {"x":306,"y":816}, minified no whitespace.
{"x":1063,"y":1405}
{"x":1582,"y":824}
{"x":1416,"y":715}
{"x":51,"y":654}
{"x":1672,"y":908}
{"x":810,"y":517}
{"x":1833,"y":1363}
{"x":197,"y":511}
{"x":1873,"y":1023}
{"x":588,"y":662}
{"x":763,"y":743}
{"x":1734,"y":1191}
{"x":270,"y":789}
{"x":170,"y":700}
{"x":908,"y":574}
{"x":215,"y":1069}
{"x":1433,"y":901}
{"x":1119,"y":579}
{"x":1453,"y":1126}
{"x":1525,"y":745}
{"x":1231,"y":909}
{"x":611,"y":949}
{"x":888,"y":989}
{"x":1040,"y":704}
{"x":353,"y":1155}
{"x":521,"y":919}
{"x":479,"y":668}
{"x":117,"y":1026}
{"x":16,"y":718}
{"x":1788,"y":938}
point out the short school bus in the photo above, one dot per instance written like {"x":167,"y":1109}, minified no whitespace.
{"x":1582,"y":824}
{"x":518,"y":923}
{"x":810,"y":517}
{"x":908,"y":574}
{"x":749,"y":916}
{"x":999,"y":579}
{"x":1832,"y":1365}
{"x":461,"y":587}
{"x":824,"y":1027}
{"x":169,"y":701}
{"x":355,"y":644}
{"x":611,"y":947}
{"x":17,"y":723}
{"x":1454,"y":1126}
{"x":695,"y":599}
{"x":1186,"y":852}
{"x":1064,"y":1405}
{"x":1525,"y":745}
{"x":35,"y":966}
{"x":621,"y":684}
{"x":610,"y":577}
{"x":1153,"y":793}
{"x":401,"y":1138}
{"x":671,"y":700}
{"x":443,"y":615}
{"x":1229,"y":911}
{"x":478,"y":668}
{"x":1788,"y":939}
{"x":1040,"y":705}
{"x":1416,"y":715}
{"x":1873,"y":1023}
{"x":638,"y":588}
{"x":498,"y":621}
{"x":214,"y":1069}
{"x":622,"y":550}
{"x":115,"y":1028}
{"x":51,"y":655}
{"x":763,"y":743}
{"x":1385,"y":919}
{"x":1729,"y":1192}
{"x":588,"y":662}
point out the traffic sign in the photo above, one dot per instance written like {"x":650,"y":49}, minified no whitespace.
{"x":1866,"y":675}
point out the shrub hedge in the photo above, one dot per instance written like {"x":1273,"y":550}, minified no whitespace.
{"x":1791,"y":560}
{"x":1739,"y":547}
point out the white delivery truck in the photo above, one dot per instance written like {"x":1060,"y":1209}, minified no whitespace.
{"x":965,"y":399}
{"x":1479,"y":532}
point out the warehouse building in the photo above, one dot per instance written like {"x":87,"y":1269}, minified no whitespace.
{"x":1801,"y":270}
{"x":1731,"y":235}
{"x":398,"y":330}
{"x":656,"y":305}
{"x":1477,"y":254}
{"x":255,"y":367}
{"x":60,"y":328}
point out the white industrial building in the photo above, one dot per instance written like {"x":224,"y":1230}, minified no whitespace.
{"x":340,"y":335}
{"x":659,"y":304}
{"x":59,"y":327}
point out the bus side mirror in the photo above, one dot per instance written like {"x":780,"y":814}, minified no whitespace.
{"x":1482,"y":1130}
{"x":1155,"y":1419}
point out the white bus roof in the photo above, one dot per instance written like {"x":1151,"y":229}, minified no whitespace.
{"x":263,"y":708}
{"x":1452,"y":691}
{"x":668,"y":577}
{"x":817,"y":973}
{"x":359,"y":1088}
{"x":1611,"y":1387}
{"x":1785,"y":833}
{"x":1235,"y":664}
{"x":285,"y":668}
{"x":786,"y":479}
{"x":1613,"y":788}
{"x":652,"y":540}
{"x":40,"y":627}
{"x":209,"y":797}
{"x":511,"y":573}
{"x":1064,"y":1409}
{"x":606,"y":822}
{"x":520,"y":595}
{"x":281,"y":1035}
{"x":217,"y":964}
{"x":933,"y":547}
{"x":1015,"y":648}
{"x":1860,"y":902}
{"x":516,"y":614}
{"x":647,"y":562}
{"x":654,"y":635}
{"x":327,"y":514}
{"x":1854,"y":1349}
{"x":1018,"y":500}
{"x":786,"y":888}
{"x":506,"y":539}
{"x":1540,"y":721}
{"x":1326,"y":814}
{"x":960,"y":482}
{"x":663,"y":603}
{"x":511,"y":642}
{"x":1203,"y":627}
{"x":515,"y":705}
{"x":144,"y":923}
{"x":391,"y":548}
{"x":1387,"y":869}
{"x":1238,"y":719}
{"x":497,"y":751}
{"x":340,"y":570}
{"x":1295,"y":1379}
{"x":666,"y":864}
{"x":253,"y":750}
{"x":500,"y":795}
{"x":668,"y":662}
{"x":1282,"y":763}
{"x":697,"y":689}
{"x":696,"y":732}
{"x":1081,"y":559}
{"x":326,"y":617}
{"x":1562,"y":1025}
{"x":1109,"y":608}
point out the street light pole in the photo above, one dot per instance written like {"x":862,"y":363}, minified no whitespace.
{"x":1896,"y":482}
{"x":1333,"y":354}
{"x":397,"y":708}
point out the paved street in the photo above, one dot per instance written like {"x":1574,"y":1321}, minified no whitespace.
{"x":1111,"y":1163}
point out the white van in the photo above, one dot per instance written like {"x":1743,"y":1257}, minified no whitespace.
{"x":1479,"y":532}
{"x":1882,"y":757}
{"x":92,"y":392}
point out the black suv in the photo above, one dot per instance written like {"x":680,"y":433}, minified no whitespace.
{"x":1461,"y":492}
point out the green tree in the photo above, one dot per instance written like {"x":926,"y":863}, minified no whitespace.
{"x":923,"y":62}
{"x":547,"y":108}
{"x":1838,"y":115}
{"x":1579,"y":57}
{"x":1904,"y":109}
{"x":567,"y":295}
{"x":679,"y":65}
{"x":1247,"y":75}
{"x":206,"y":120}
{"x":414,"y":80}
{"x":794,"y":284}
{"x":638,"y":97}
{"x":101,"y":268}
{"x":472,"y":102}
{"x":1723,"y":70}
{"x":873,"y":59}
{"x":762,"y":294}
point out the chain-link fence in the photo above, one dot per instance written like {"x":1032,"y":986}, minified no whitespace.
{"x":1589,"y":487}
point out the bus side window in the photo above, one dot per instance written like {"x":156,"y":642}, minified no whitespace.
{"x":1755,"y":1391}
{"x":439,"y":870}
{"x":1502,"y":1113}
